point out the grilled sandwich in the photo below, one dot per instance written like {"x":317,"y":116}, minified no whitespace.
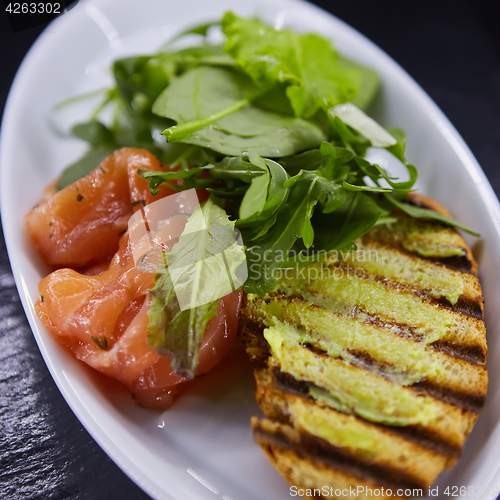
{"x":371,"y":365}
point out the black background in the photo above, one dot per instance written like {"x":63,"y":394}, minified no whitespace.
{"x":452,"y":49}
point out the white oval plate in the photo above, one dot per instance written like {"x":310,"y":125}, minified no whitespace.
{"x":202,"y":448}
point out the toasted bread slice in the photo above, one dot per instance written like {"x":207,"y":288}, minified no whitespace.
{"x":372,"y":364}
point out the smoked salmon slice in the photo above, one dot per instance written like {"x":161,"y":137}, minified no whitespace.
{"x":101,"y":313}
{"x":83,"y":222}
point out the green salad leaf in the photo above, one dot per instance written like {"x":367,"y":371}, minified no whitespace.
{"x":183,"y":295}
{"x":212,"y":108}
{"x":233,"y":168}
{"x":84,"y":165}
{"x":175,"y":333}
{"x":292,"y":221}
{"x":368,"y":85}
{"x":265,"y":194}
{"x":306,"y":62}
{"x":362,"y":123}
{"x":421,"y":212}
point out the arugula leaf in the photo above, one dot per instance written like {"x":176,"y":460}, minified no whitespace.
{"x":156,"y":178}
{"x":81,"y":97}
{"x":268,"y":252}
{"x":308,"y":160}
{"x":370,"y":189}
{"x":236,"y":168}
{"x":375,"y":172}
{"x":339,"y":229}
{"x":256,"y":195}
{"x":265,"y":194}
{"x":356,"y":119}
{"x":334,"y":162}
{"x":306,"y":62}
{"x":174,"y":333}
{"x":212,"y":108}
{"x":200,"y":267}
{"x":140,"y":80}
{"x":420,"y":212}
{"x":346,"y":137}
{"x":228,"y":193}
{"x":398,"y":149}
{"x":94,"y":132}
{"x":83,"y":166}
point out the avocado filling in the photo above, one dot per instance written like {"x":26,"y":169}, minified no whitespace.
{"x":382,"y":262}
{"x":345,"y":387}
{"x":422,"y":238}
{"x":344,"y":292}
{"x":400,"y":359}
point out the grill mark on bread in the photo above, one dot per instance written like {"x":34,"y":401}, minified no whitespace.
{"x":465,"y":305}
{"x":473,"y":354}
{"x":319,"y":450}
{"x":460,"y":263}
{"x":466,"y":401}
{"x":469,"y":305}
{"x":418,"y":434}
{"x":457,"y":262}
{"x":472,"y":402}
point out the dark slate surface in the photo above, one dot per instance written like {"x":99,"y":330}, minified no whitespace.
{"x":452,"y":48}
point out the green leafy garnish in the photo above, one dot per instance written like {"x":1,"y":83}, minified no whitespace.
{"x":175,"y":333}
{"x":199,"y":270}
{"x":421,"y":212}
{"x":307,"y":63}
{"x":212,"y":108}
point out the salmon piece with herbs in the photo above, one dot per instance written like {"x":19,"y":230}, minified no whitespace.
{"x":83,"y":223}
